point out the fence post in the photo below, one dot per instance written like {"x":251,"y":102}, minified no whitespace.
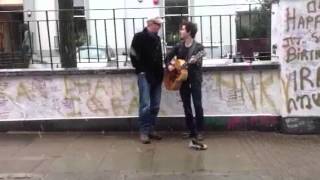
{"x":40,"y":46}
{"x":125,"y":40}
{"x":115,"y":36}
{"x":31,"y":42}
{"x":211,"y":38}
{"x":106,"y":38}
{"x":87,"y":36}
{"x":49,"y":41}
{"x":231,"y":50}
{"x":220,"y":18}
{"x":97,"y":43}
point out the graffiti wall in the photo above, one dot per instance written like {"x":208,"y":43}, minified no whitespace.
{"x":116,"y":95}
{"x":298,"y":35}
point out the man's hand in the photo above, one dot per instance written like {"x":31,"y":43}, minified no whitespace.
{"x":192,"y":60}
{"x":170,"y":68}
{"x":172,"y":62}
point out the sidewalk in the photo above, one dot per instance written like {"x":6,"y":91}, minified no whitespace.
{"x":120,"y":156}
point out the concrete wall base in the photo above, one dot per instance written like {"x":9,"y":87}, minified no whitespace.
{"x":300,"y":125}
{"x":260,"y":123}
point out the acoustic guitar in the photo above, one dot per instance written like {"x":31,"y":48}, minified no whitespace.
{"x":174,"y":79}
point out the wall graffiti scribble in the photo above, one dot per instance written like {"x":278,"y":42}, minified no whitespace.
{"x":299,"y":39}
{"x":115,"y":95}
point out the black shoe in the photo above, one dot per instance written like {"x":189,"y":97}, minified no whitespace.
{"x":189,"y":135}
{"x":155,"y":136}
{"x":199,"y":137}
{"x":194,"y":144}
{"x":145,"y":139}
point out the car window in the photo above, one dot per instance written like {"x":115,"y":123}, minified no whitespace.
{"x":93,"y":53}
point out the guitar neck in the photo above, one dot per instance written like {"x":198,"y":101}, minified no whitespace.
{"x":197,"y":57}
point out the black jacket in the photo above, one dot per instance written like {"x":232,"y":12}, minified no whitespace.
{"x":146,"y":55}
{"x":194,"y":70}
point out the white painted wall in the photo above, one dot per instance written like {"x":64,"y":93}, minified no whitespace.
{"x":38,"y":10}
{"x":119,"y":13}
{"x":150,"y":10}
{"x":10,"y":2}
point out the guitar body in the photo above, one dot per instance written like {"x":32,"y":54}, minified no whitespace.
{"x":174,"y":79}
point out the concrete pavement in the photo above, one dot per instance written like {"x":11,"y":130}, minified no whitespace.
{"x":120,"y":156}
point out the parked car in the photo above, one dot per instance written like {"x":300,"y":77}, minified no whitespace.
{"x":87,"y":54}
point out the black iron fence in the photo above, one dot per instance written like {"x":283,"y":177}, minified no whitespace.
{"x":103,"y":36}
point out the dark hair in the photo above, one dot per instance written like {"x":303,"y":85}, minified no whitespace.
{"x":190,"y":27}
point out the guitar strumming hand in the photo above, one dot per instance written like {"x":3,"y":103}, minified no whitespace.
{"x":193,"y":60}
{"x":171,"y":67}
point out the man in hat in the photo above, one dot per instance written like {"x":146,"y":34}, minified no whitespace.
{"x":146,"y":58}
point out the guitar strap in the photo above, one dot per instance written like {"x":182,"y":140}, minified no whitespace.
{"x":191,"y":50}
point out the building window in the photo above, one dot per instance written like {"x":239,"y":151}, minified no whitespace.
{"x":174,"y":17}
{"x":80,"y":23}
{"x":80,"y":26}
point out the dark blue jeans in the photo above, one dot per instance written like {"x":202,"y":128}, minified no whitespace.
{"x":192,"y":88}
{"x":149,"y":103}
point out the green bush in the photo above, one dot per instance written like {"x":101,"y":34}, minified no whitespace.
{"x":260,"y":24}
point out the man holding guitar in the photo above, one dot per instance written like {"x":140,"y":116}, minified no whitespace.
{"x":188,"y":49}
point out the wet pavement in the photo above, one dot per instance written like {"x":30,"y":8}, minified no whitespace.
{"x":120,"y":156}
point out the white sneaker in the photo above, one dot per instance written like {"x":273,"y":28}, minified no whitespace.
{"x":197,"y":145}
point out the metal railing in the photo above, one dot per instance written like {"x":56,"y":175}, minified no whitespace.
{"x":105,"y":41}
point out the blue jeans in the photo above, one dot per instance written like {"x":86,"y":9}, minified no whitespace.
{"x":149,"y":103}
